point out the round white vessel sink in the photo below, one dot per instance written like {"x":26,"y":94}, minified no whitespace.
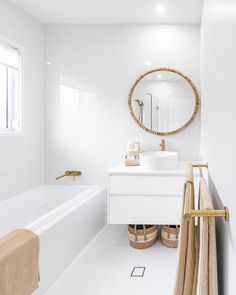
{"x":157,"y":160}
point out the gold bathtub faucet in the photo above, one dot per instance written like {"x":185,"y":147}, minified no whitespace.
{"x":70,"y":173}
{"x":163,"y":145}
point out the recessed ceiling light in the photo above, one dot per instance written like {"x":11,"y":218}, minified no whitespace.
{"x":159,"y":76}
{"x":48,"y":63}
{"x":160,"y":8}
{"x":148,"y":63}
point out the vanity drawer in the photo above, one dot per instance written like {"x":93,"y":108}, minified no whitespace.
{"x":146,"y":185}
{"x":144,"y":209}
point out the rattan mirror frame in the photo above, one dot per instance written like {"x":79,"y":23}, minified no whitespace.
{"x":196,"y":108}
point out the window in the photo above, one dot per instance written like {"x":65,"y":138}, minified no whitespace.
{"x":10,"y":62}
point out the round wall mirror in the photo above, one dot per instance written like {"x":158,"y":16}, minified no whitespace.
{"x":163,"y":101}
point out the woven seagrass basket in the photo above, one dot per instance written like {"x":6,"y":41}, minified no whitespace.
{"x":170,"y":235}
{"x":142,"y":236}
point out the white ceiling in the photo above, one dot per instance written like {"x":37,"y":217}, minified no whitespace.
{"x":112,"y":11}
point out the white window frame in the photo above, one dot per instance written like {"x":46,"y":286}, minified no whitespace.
{"x":19,"y":131}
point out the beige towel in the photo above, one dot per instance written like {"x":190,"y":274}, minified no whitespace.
{"x":186,"y":248}
{"x":207,"y":281}
{"x":19,"y":271}
{"x":197,"y":242}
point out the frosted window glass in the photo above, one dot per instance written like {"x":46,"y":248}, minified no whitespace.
{"x":9,"y":56}
{"x":9,"y":88}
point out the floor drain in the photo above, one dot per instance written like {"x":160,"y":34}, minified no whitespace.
{"x":138,"y":271}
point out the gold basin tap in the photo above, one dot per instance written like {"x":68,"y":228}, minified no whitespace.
{"x":70,"y":173}
{"x":163,"y":145}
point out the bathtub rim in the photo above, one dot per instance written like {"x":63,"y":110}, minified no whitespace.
{"x":51,"y":218}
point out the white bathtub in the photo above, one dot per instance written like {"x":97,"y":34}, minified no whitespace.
{"x":66,"y":218}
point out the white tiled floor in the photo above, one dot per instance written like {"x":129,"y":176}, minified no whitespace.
{"x":106,"y":265}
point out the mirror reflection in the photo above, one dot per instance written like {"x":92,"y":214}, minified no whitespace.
{"x":163,"y":101}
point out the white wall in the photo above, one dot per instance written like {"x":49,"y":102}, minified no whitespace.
{"x":103,"y":61}
{"x":21,"y":156}
{"x":218,"y":139}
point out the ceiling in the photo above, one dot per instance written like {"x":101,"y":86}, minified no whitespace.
{"x":113,"y":11}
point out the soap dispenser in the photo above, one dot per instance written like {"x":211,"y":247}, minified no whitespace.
{"x":129,"y":145}
{"x":136,"y":144}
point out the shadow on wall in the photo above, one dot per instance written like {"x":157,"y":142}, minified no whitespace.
{"x":223,"y":237}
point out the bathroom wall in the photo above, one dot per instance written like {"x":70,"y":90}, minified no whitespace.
{"x":21,"y":156}
{"x":218,"y":139}
{"x":102,"y":61}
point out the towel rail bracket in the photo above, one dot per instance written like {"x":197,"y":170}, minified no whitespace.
{"x":189,"y":213}
{"x":208,"y":213}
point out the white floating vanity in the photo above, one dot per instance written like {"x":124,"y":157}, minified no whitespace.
{"x":139,"y":196}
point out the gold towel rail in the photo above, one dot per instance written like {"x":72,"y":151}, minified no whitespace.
{"x":189,"y":213}
{"x":200,"y":165}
